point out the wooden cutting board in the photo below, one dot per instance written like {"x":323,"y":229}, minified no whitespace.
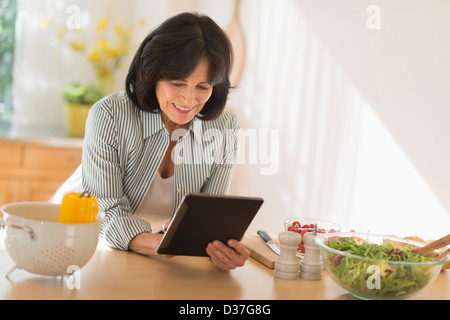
{"x":260,"y":251}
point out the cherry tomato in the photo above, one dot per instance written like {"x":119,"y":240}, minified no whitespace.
{"x":359,"y":240}
{"x":301,"y":247}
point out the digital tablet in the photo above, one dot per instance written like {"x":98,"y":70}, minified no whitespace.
{"x":202,"y":218}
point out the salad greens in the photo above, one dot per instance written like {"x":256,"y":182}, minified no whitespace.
{"x":395,"y":279}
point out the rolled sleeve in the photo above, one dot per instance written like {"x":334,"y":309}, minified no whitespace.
{"x":102,"y":175}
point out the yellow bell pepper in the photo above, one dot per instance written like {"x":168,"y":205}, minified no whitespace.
{"x":78,"y":208}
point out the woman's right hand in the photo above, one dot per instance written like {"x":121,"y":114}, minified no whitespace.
{"x":146,"y":244}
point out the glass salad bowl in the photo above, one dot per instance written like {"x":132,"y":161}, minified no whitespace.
{"x":372,"y":266}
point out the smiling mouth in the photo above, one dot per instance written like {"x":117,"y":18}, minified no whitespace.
{"x":183,"y":109}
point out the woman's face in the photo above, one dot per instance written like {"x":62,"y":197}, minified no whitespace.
{"x":180,"y":100}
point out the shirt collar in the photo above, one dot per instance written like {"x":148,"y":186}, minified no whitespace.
{"x":197,"y":128}
{"x":152,"y":123}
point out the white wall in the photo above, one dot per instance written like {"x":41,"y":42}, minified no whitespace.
{"x":293,"y":84}
{"x":402,"y":70}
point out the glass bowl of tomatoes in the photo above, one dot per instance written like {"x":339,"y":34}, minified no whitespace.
{"x":303,"y":225}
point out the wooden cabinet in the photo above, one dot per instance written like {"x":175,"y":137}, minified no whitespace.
{"x":33,"y":171}
{"x":9,"y":191}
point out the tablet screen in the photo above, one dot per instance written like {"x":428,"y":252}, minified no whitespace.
{"x":202,"y":218}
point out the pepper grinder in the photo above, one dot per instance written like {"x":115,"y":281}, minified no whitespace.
{"x":286,"y":266}
{"x":311,"y":266}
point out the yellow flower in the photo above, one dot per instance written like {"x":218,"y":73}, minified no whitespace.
{"x":103,"y":44}
{"x":102,"y":24}
{"x":122,"y":48}
{"x":112,"y":53}
{"x":119,"y":30}
{"x":111,"y":47}
{"x":94,"y":56}
{"x":77,"y":45}
{"x":103,"y":72}
{"x":45,"y":21}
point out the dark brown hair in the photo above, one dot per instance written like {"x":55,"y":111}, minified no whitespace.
{"x":172,"y":51}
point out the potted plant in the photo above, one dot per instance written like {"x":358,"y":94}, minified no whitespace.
{"x":79,"y":99}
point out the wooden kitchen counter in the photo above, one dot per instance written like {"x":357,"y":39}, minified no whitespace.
{"x":114,"y":274}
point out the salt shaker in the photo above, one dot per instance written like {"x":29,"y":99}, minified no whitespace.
{"x":286,"y":266}
{"x":311,"y":265}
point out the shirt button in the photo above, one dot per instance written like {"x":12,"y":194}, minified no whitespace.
{"x":179,"y":190}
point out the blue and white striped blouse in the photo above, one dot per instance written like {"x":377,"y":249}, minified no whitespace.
{"x":123,"y":148}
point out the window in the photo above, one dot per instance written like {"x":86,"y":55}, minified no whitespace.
{"x":8,"y":9}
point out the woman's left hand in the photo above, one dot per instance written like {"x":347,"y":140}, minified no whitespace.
{"x":227,"y":256}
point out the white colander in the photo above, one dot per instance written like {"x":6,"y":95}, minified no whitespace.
{"x":38,"y":243}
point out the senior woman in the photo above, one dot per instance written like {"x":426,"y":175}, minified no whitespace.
{"x":147,"y":147}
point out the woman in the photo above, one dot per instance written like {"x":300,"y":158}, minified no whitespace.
{"x":147,"y":147}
